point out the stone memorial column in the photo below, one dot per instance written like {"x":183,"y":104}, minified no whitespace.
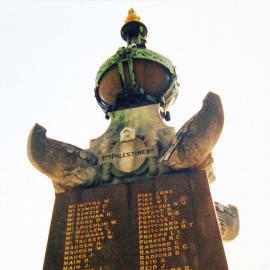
{"x":138,"y":198}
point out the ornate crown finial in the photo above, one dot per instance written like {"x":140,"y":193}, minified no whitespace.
{"x":132,"y":16}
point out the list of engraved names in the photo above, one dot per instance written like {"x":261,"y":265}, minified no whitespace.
{"x":161,"y":227}
{"x":88,"y":226}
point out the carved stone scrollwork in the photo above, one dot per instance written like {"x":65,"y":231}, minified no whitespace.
{"x":228,"y":220}
{"x":193,"y":143}
{"x":67,"y":165}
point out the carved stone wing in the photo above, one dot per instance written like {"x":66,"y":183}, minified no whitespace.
{"x":193,"y":143}
{"x":67,"y":165}
{"x":228,"y":220}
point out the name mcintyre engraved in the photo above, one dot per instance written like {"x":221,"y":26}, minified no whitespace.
{"x":88,"y":226}
{"x":147,"y":225}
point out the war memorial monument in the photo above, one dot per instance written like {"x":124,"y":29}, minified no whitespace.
{"x":138,"y":198}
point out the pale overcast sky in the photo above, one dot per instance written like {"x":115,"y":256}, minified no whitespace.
{"x":50,"y":52}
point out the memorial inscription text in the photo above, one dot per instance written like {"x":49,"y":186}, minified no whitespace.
{"x":88,"y":226}
{"x":161,"y":226}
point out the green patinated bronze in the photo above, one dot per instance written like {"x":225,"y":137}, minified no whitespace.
{"x":137,"y":144}
{"x":124,"y":54}
{"x":128,"y":55}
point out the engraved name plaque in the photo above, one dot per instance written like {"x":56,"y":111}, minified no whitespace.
{"x":166,"y":222}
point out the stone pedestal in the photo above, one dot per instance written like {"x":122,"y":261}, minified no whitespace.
{"x":166,"y":222}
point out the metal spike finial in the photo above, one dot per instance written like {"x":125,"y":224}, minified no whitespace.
{"x":134,"y":32}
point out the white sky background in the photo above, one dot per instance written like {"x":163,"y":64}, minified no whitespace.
{"x":50,"y":52}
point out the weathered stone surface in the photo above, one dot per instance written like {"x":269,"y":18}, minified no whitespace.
{"x":67,"y":165}
{"x":108,"y":160}
{"x":194,"y":142}
{"x":138,"y":197}
{"x":228,"y":220}
{"x":166,"y":222}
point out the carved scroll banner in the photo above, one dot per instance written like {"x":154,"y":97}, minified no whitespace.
{"x":166,"y":222}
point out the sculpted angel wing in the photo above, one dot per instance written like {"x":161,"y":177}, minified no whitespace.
{"x":193,"y":143}
{"x":67,"y":165}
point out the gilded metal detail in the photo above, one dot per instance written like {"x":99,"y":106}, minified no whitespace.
{"x":132,"y":16}
{"x":137,"y":144}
